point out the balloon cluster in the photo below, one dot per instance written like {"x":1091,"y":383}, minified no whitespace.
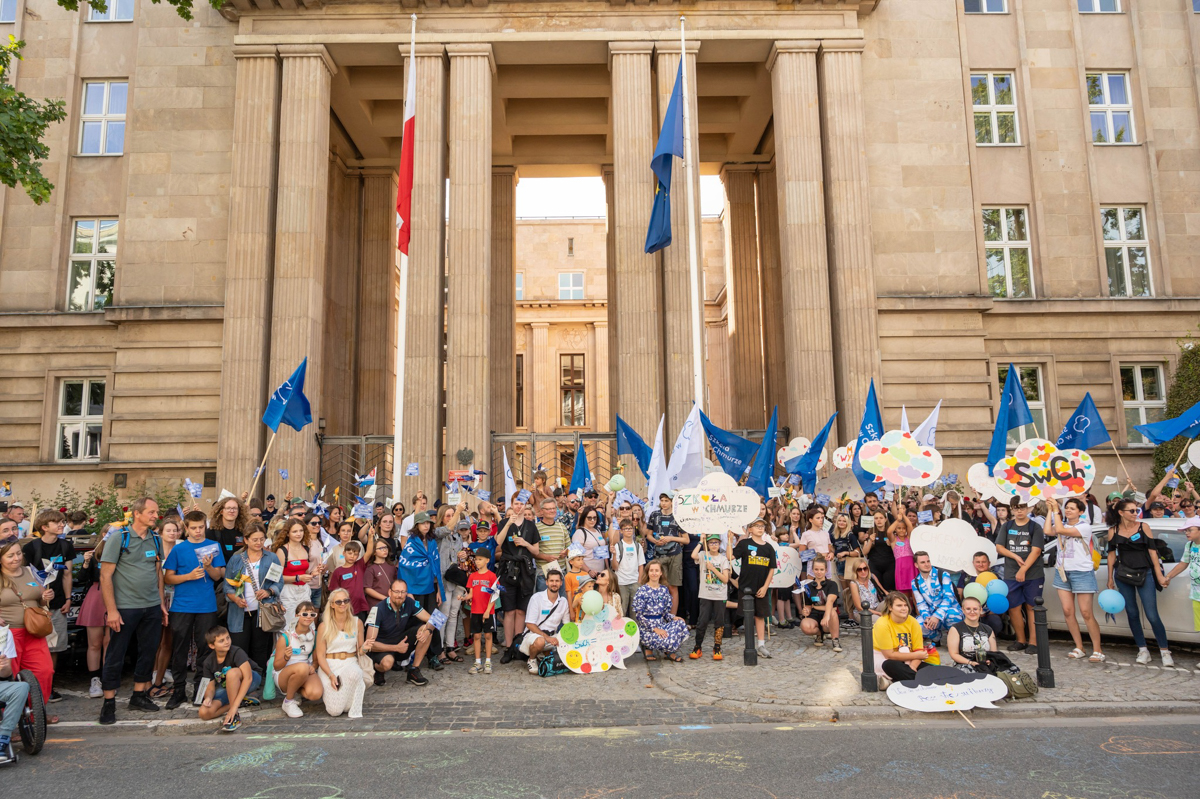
{"x":990,"y":590}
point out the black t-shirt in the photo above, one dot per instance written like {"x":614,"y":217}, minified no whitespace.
{"x":234,"y":658}
{"x":1133,"y":552}
{"x":973,"y":643}
{"x":881,"y":558}
{"x":817,"y":594}
{"x":61,"y":551}
{"x":664,"y":524}
{"x":393,"y":623}
{"x":1021,"y":539}
{"x":230,"y":540}
{"x":758,"y":563}
{"x":527,"y":530}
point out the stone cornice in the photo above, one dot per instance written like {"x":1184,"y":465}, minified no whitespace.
{"x":235,"y":9}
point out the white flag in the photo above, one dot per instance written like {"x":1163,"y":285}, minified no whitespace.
{"x":926,"y":434}
{"x":687,"y":457}
{"x":510,"y":485}
{"x":904,"y":420}
{"x":659,"y":484}
{"x":1110,"y":480}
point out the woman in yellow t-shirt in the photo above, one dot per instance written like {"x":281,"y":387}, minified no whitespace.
{"x":900,"y":649}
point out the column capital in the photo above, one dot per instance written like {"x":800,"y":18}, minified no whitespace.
{"x":507,"y":170}
{"x":744,"y":168}
{"x":842,"y":46}
{"x":255,"y":51}
{"x":540,"y":325}
{"x":375,"y":171}
{"x":424,"y":50}
{"x":672,"y":46}
{"x":601,"y":325}
{"x":795,"y":46}
{"x":476,"y":49}
{"x":309,"y":51}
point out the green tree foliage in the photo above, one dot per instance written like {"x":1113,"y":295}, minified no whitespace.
{"x":1183,"y":393}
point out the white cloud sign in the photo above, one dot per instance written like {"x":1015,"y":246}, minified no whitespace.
{"x":951,"y":545}
{"x":717,"y":505}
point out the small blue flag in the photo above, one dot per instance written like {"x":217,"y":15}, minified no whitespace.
{"x":484,"y":496}
{"x":764,"y":460}
{"x":823,"y":499}
{"x":195,"y":489}
{"x":924,"y":516}
{"x":670,"y":145}
{"x":870,"y":429}
{"x":1014,"y":412}
{"x":413,"y":470}
{"x":630,"y":443}
{"x":283,"y":474}
{"x":1186,"y":424}
{"x":733,"y":452}
{"x":1085,"y":429}
{"x":522,"y":495}
{"x":288,"y":403}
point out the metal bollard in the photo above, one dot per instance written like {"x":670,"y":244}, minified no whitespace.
{"x":870,"y":682}
{"x":750,"y":656}
{"x":1045,"y":674}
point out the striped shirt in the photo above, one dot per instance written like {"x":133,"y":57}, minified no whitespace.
{"x":554,"y":540}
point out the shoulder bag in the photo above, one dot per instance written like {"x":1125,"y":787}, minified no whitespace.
{"x":271,"y":617}
{"x":37,"y":618}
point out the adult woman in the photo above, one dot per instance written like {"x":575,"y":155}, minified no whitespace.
{"x":314,"y":525}
{"x":20,"y":589}
{"x":293,"y":548}
{"x":339,"y":643}
{"x":877,"y":546}
{"x":660,"y":631}
{"x":169,"y":531}
{"x":294,"y":669}
{"x":795,"y":522}
{"x":1074,"y":577}
{"x":845,"y":545}
{"x":337,"y":514}
{"x":344,"y":534}
{"x":452,"y":532}
{"x":226,"y":523}
{"x":588,"y":536}
{"x":1133,"y":570}
{"x":865,"y":588}
{"x":606,"y":584}
{"x":969,"y":641}
{"x":91,"y":617}
{"x":641,"y":530}
{"x":899,"y":645}
{"x":857,"y":522}
{"x":249,"y":582}
{"x":387,"y":537}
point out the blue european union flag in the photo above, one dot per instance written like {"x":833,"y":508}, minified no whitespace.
{"x":288,"y":403}
{"x":870,"y":429}
{"x":1085,"y":429}
{"x":670,"y":144}
{"x":1014,"y":412}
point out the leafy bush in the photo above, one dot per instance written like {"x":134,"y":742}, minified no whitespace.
{"x":1183,"y":393}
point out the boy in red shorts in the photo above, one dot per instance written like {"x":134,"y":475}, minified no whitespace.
{"x":483,"y":619}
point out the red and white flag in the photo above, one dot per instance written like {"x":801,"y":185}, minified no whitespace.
{"x":404,"y":193}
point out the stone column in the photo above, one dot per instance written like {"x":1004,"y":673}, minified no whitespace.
{"x":543,"y":374}
{"x":469,"y":242}
{"x":848,"y":214}
{"x":502,"y":362}
{"x":246,"y":332}
{"x":426,"y":277}
{"x":638,"y":283}
{"x":805,"y":272}
{"x":300,"y":218}
{"x":677,"y":309}
{"x":610,"y":274}
{"x":744,"y":295}
{"x":376,"y":310}
{"x":771,"y":287}
{"x":604,"y":419}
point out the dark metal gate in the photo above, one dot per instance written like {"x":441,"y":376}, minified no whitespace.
{"x":342,"y":457}
{"x":553,"y":453}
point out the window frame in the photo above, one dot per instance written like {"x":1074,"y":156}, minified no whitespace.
{"x":1026,"y":431}
{"x":578,"y":390}
{"x":82,"y":421}
{"x":519,"y":389}
{"x":93,"y":258}
{"x":1140,"y":403}
{"x":112,"y":5}
{"x":571,"y":288}
{"x":1108,"y":108}
{"x":13,"y":6}
{"x":983,"y":7}
{"x":993,"y":109}
{"x":105,"y":119}
{"x":1094,"y":7}
{"x":1007,"y":246}
{"x":1125,"y":244}
{"x":519,"y":287}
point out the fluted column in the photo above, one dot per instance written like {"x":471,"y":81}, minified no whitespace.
{"x":378,"y":280}
{"x":423,"y":420}
{"x":603,"y":417}
{"x":246,"y":332}
{"x":543,"y":372}
{"x":502,"y":363}
{"x":638,"y":277}
{"x":851,"y":267}
{"x":469,"y":273}
{"x":300,"y":217}
{"x":677,"y":308}
{"x":610,"y":274}
{"x":805,"y":272}
{"x":771,"y":288}
{"x":743,"y":297}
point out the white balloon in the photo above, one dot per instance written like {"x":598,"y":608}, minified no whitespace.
{"x":797,"y":447}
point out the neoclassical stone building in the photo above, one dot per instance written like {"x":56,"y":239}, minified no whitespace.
{"x":917,"y":191}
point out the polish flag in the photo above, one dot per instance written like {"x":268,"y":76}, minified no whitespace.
{"x":404,"y":193}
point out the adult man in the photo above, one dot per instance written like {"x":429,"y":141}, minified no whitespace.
{"x":937,"y":606}
{"x":1020,"y":542}
{"x":668,"y":539}
{"x":568,"y":514}
{"x":546,"y":612}
{"x":420,"y":502}
{"x":297,"y":509}
{"x":53,"y":556}
{"x":16,"y":512}
{"x":255,"y":510}
{"x":519,"y":545}
{"x":395,"y":628}
{"x":131,"y":584}
{"x":554,"y":539}
{"x":13,"y":693}
{"x":269,"y":510}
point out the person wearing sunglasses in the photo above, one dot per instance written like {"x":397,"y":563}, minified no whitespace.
{"x":294,"y":669}
{"x":1134,"y":571}
{"x":865,"y":588}
{"x":339,"y":644}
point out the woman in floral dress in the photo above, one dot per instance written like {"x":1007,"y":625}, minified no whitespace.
{"x":660,"y":631}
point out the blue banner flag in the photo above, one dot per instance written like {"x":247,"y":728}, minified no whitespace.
{"x":870,"y":429}
{"x":288,"y":403}
{"x":630,"y":443}
{"x":1085,"y":429}
{"x":733,"y":452}
{"x":1014,"y":412}
{"x":1186,"y":424}
{"x":581,"y":475}
{"x":806,"y":464}
{"x":670,"y":144}
{"x":764,"y":460}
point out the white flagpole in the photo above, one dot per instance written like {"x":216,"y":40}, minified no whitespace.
{"x":398,"y":464}
{"x":693,"y":266}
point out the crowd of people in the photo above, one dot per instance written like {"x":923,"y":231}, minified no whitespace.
{"x":256,"y":598}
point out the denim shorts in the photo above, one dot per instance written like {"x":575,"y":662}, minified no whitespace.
{"x":221,"y":696}
{"x":1083,"y":582}
{"x":1024,"y":593}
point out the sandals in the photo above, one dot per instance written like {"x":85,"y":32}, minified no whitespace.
{"x":452,"y":656}
{"x":160,"y":692}
{"x":650,"y":657}
{"x":1097,"y":657}
{"x":674,"y":657}
{"x":1076,"y":654}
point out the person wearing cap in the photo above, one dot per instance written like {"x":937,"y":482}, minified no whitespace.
{"x":714,"y":588}
{"x":758,"y":561}
{"x":297,"y":508}
{"x":419,"y":566}
{"x":577,"y":576}
{"x":1021,"y":541}
{"x":1157,"y":510}
{"x":1191,"y":562}
{"x":269,"y":509}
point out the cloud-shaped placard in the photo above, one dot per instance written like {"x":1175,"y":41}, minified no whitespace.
{"x":1039,"y":470}
{"x":843,"y":457}
{"x":982,"y":482}
{"x":898,"y":458}
{"x":717,"y":505}
{"x":952,"y":545}
{"x":797,"y":447}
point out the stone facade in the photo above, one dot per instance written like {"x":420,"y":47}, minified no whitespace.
{"x":866,"y":146}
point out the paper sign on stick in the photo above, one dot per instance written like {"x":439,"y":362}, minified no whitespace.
{"x":1039,"y":470}
{"x":717,"y":505}
{"x":952,"y":545}
{"x":898,"y":458}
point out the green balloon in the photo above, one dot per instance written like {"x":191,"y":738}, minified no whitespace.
{"x":592,"y":603}
{"x":569,"y":633}
{"x":976,"y":591}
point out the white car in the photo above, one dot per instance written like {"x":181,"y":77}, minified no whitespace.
{"x":1174,"y":602}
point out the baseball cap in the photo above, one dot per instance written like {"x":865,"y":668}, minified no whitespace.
{"x":575,"y":551}
{"x":463,"y":524}
{"x":1157,"y":506}
{"x":270,"y":496}
{"x":759,"y":520}
{"x":1115,"y":495}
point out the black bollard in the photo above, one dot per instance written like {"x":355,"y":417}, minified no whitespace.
{"x":870,"y":682}
{"x":750,"y":656}
{"x":1045,"y":674}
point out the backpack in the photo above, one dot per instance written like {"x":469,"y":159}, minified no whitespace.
{"x":552,"y":666}
{"x":1020,"y":685}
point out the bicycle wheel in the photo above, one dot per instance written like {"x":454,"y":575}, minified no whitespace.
{"x":33,"y":720}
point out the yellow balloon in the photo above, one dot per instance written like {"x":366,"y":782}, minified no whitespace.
{"x":985,"y":578}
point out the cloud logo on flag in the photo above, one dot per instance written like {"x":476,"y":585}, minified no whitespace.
{"x":843,"y":457}
{"x":898,"y":458}
{"x":1038,"y":470}
{"x":796,"y":449}
{"x":1082,"y":423}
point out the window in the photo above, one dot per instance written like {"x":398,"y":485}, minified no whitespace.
{"x":570,"y":248}
{"x":1126,"y":252}
{"x":571,"y":367}
{"x":118,"y":11}
{"x":984,"y":6}
{"x":103,"y":128}
{"x":570,"y":285}
{"x":520,"y":285}
{"x":80,"y":420}
{"x":1112,"y":111}
{"x":1031,"y":383}
{"x":520,"y":394}
{"x":1142,"y":392}
{"x":1006,"y":232}
{"x":993,"y":97}
{"x":93,"y":264}
{"x":8,"y":10}
{"x":1099,"y":6}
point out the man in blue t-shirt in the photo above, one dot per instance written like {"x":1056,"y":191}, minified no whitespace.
{"x":193,"y":567}
{"x":398,"y":630}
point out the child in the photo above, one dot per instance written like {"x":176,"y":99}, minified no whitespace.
{"x":192,"y":567}
{"x":1191,"y":562}
{"x":576,"y":576}
{"x":714,"y":579}
{"x":229,"y":671}
{"x":758,"y":564}
{"x":352,"y":574}
{"x":630,"y":560}
{"x":483,"y":621}
{"x":821,"y":601}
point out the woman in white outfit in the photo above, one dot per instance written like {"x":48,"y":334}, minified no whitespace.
{"x":294,"y":669}
{"x":339,"y":643}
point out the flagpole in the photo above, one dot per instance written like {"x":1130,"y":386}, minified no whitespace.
{"x":1118,"y":454}
{"x":402,"y":324}
{"x":693,"y":268}
{"x":258,"y":473}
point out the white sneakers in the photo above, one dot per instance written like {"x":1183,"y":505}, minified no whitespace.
{"x":1143,"y":656}
{"x":95,"y":692}
{"x":883,"y":682}
{"x":761,"y":649}
{"x":1168,"y":661}
{"x":292,"y":709}
{"x":533,"y":666}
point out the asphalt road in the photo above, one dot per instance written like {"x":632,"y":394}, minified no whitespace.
{"x":1117,"y":758}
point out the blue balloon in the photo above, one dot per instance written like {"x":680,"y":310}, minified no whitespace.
{"x":997,"y":588}
{"x":997,"y":603}
{"x":1111,"y":601}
